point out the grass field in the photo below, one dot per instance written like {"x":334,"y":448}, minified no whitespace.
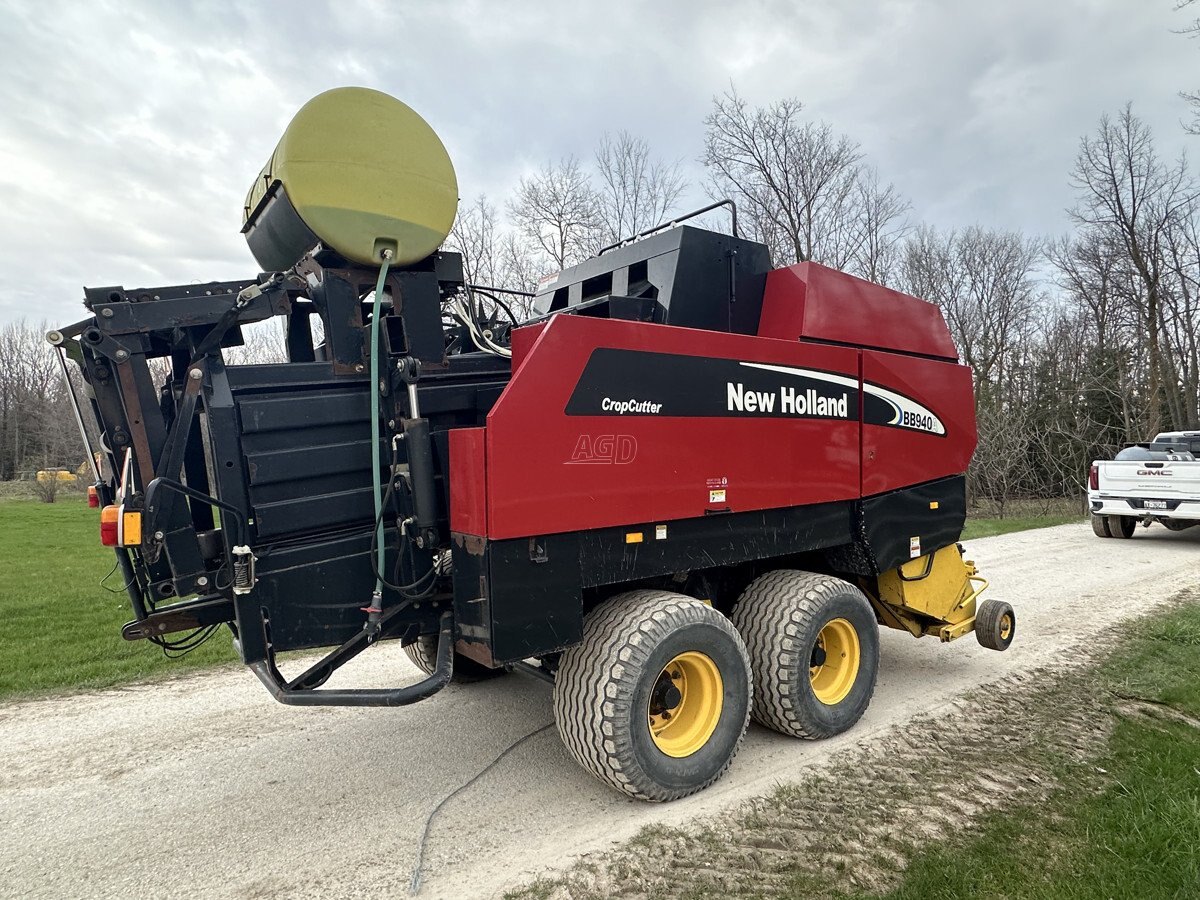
{"x":1139,"y":834}
{"x":985,"y":520}
{"x":989,"y":526}
{"x":60,"y":627}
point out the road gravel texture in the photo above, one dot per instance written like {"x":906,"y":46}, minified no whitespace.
{"x":204,"y":786}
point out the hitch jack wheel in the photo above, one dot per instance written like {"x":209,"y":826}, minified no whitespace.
{"x":655,"y":698}
{"x":814,"y":650}
{"x":995,"y":624}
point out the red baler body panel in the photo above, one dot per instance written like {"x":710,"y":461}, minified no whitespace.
{"x":693,"y":441}
{"x":550,"y":472}
{"x":896,"y":458}
{"x":822,"y":304}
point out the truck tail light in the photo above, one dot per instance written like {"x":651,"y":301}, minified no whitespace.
{"x":1094,"y":477}
{"x":109,"y":516}
{"x":93,"y":497}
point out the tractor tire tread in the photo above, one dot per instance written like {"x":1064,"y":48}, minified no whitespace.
{"x":770,"y":615}
{"x":619,"y":634}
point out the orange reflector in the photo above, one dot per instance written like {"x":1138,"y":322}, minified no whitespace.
{"x":108,"y":526}
{"x":633,"y":537}
{"x":93,"y":497}
{"x":933,"y":504}
{"x":131,"y":529}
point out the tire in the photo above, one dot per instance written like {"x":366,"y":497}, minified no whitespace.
{"x":788,"y":620}
{"x":423,"y":653}
{"x":995,"y":624}
{"x":611,"y":683}
{"x":1121,"y":526}
{"x":1100,"y":526}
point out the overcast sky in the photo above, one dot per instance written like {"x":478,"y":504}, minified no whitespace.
{"x":130,"y":132}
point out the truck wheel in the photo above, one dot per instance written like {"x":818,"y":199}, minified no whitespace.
{"x":423,"y":653}
{"x":995,"y":624}
{"x":1121,"y":526}
{"x":655,"y":698}
{"x":814,"y":651}
{"x":1100,"y":526}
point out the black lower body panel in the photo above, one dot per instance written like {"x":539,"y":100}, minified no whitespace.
{"x":524,"y":597}
{"x":901,"y":525}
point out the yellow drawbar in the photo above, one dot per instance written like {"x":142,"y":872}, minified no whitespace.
{"x":932,"y":594}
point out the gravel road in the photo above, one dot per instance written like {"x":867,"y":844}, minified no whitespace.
{"x":203,"y":786}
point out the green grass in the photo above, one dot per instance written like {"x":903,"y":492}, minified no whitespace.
{"x":1126,"y":825}
{"x":990,"y":525}
{"x":60,"y":629}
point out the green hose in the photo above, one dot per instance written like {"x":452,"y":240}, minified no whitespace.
{"x":375,"y":460}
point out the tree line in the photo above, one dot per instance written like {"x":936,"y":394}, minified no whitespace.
{"x":1079,"y":342}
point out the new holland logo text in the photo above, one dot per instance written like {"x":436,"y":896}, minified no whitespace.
{"x":791,"y":402}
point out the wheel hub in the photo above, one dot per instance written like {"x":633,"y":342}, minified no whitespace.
{"x":685,"y":704}
{"x":818,"y":655}
{"x":666,"y":696}
{"x":835,"y":661}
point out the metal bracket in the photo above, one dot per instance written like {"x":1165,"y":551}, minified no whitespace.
{"x":295,"y":694}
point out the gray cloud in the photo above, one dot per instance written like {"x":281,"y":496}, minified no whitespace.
{"x":129,"y":133}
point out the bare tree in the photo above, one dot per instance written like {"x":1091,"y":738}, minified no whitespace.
{"x":556,"y":211}
{"x":1131,"y":197}
{"x":1192,"y":30}
{"x":474,"y":236}
{"x":36,"y":427}
{"x":636,"y":192}
{"x":983,"y":281}
{"x":882,"y":227}
{"x":802,"y":188}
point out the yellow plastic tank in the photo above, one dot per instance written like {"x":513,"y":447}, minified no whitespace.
{"x":356,"y":171}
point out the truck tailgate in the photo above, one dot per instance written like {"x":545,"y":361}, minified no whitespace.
{"x":1133,"y":478}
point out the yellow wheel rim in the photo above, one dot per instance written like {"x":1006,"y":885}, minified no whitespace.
{"x":835,"y":661}
{"x":685,"y":704}
{"x":1005,"y":626}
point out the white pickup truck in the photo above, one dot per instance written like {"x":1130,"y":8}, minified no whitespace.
{"x":1155,"y":482}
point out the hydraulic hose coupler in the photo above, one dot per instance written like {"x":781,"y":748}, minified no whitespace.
{"x":374,"y":614}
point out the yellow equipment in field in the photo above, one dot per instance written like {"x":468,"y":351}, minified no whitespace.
{"x":936,"y":594}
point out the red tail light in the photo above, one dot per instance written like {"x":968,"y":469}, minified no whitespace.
{"x":108,"y":525}
{"x":93,"y":497}
{"x":1094,"y":477}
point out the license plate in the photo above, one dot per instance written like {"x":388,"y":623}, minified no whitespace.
{"x":1154,"y":504}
